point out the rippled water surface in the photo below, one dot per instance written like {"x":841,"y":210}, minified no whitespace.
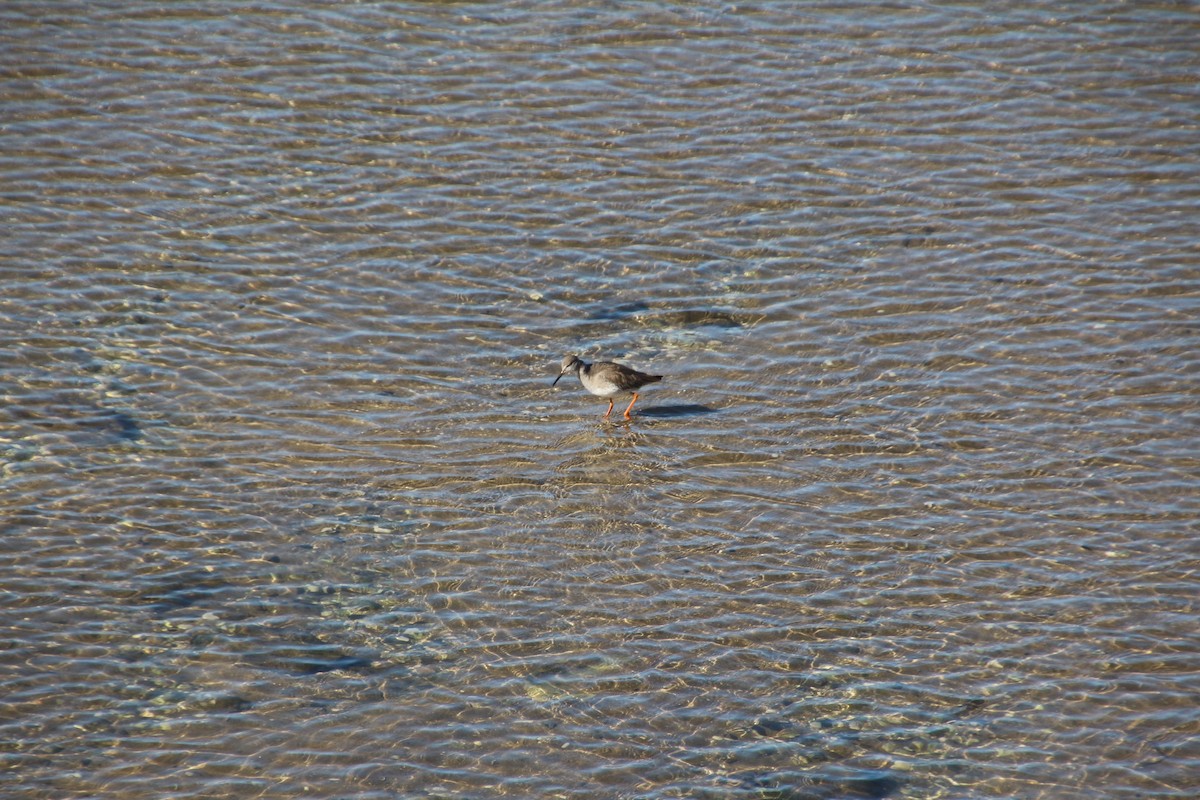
{"x":291,"y":510}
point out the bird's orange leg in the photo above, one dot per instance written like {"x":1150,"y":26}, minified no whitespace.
{"x":631,"y":402}
{"x":610,"y":402}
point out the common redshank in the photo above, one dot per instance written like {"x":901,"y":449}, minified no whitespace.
{"x":608,"y":379}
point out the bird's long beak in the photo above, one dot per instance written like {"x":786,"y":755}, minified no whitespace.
{"x":559,"y":376}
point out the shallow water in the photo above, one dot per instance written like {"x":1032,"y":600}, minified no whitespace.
{"x":292,"y":510}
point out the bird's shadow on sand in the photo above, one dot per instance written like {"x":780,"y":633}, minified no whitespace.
{"x":681,"y":410}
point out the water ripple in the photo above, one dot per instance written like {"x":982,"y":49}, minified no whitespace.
{"x":292,"y":508}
